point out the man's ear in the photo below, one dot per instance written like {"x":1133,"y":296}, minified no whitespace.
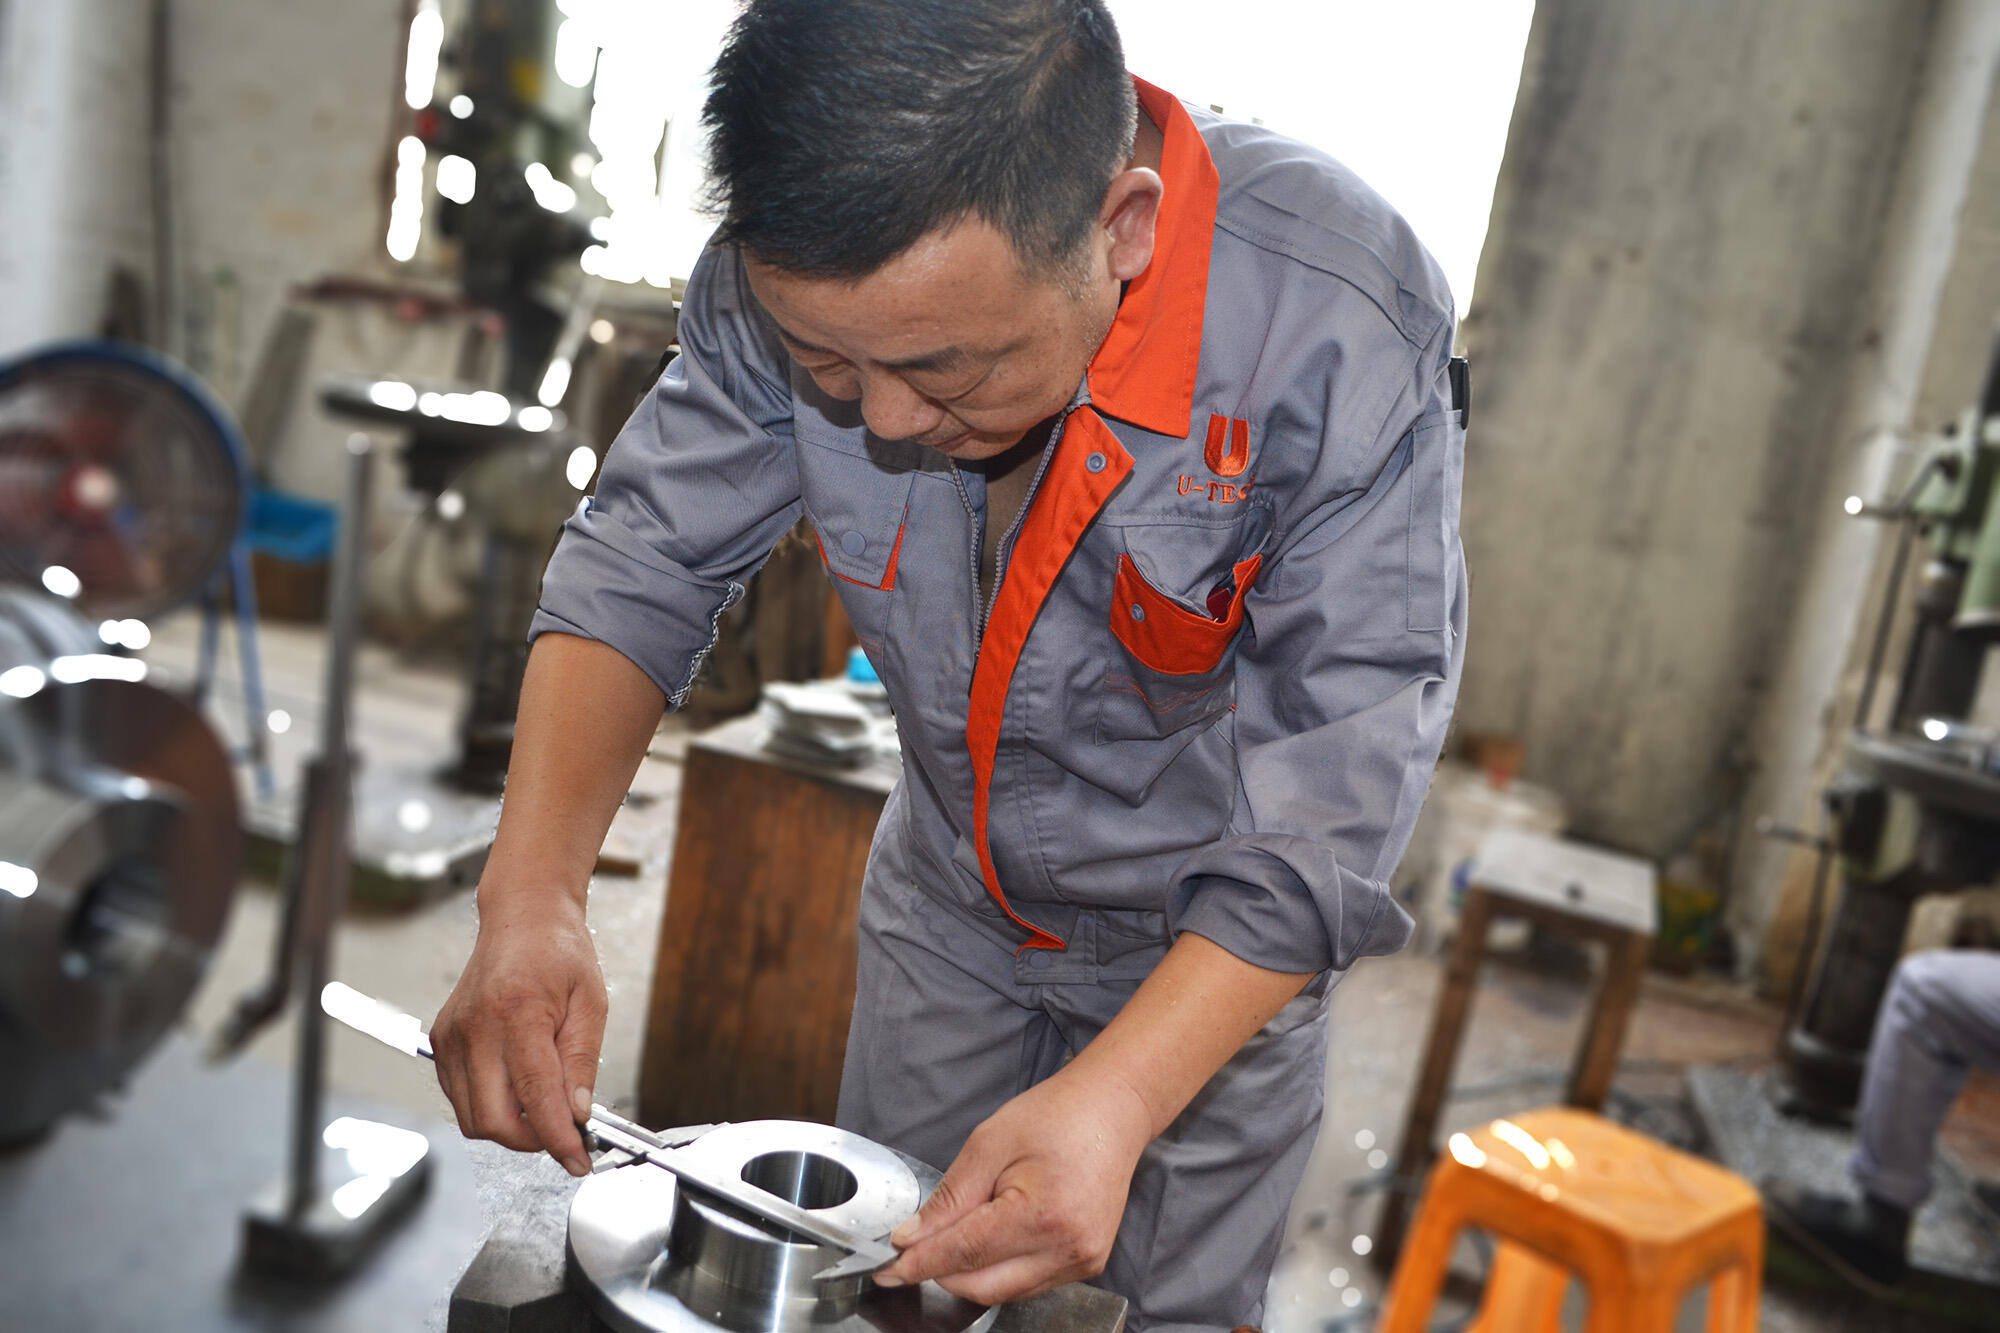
{"x":1130,"y":218}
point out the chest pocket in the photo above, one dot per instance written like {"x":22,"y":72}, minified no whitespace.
{"x":857,"y":504}
{"x":1177,"y":607}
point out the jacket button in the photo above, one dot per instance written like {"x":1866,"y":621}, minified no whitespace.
{"x":1138,"y":611}
{"x":853,"y":543}
{"x":1094,"y":463}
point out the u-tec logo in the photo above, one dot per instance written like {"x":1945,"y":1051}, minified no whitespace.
{"x":1229,"y":461}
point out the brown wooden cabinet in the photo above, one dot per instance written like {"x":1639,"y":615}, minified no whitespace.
{"x":754,"y":979}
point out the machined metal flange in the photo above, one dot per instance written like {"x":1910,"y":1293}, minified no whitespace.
{"x":655,"y":1257}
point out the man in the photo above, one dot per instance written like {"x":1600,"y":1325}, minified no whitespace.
{"x":1940,"y":1020}
{"x":1128,"y":437}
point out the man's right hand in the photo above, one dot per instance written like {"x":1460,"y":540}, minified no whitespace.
{"x":517,"y":1041}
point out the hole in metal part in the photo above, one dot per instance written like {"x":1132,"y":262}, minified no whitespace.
{"x":804,"y":1178}
{"x":119,"y":920}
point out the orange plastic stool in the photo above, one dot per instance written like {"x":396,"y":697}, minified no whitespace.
{"x":1567,"y":1192}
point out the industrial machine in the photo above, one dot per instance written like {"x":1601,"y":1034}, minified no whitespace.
{"x":499,"y":452}
{"x":119,"y":852}
{"x":122,"y":492}
{"x":1915,"y":808}
{"x":504,"y":462}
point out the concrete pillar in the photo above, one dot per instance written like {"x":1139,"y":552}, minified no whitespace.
{"x":73,"y":164}
{"x":1683,"y":239}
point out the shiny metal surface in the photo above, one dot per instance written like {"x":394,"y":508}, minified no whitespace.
{"x":119,"y":852}
{"x":652,"y":1255}
{"x":770,"y":1193}
{"x":855,"y":1253}
{"x":325,"y":849}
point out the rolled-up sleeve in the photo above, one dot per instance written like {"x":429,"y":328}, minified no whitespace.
{"x":695,"y":491}
{"x":1346,"y":677}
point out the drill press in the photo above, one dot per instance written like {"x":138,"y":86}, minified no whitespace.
{"x":1915,"y":808}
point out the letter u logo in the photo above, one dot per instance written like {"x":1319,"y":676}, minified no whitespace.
{"x":1232,"y":462}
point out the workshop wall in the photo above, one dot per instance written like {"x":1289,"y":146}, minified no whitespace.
{"x":1681,"y":287}
{"x":1681,"y":235}
{"x":73,"y":153}
{"x":1970,"y":311}
{"x":280,"y":136}
{"x":286,"y":122}
{"x":283,"y":146}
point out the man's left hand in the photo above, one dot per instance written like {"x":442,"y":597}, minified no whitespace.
{"x":1035,"y":1197}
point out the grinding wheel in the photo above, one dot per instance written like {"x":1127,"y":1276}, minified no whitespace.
{"x":653,"y":1257}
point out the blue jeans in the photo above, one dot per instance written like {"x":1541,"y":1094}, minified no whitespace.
{"x":1941,"y":1018}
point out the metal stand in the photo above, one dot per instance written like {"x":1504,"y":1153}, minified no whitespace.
{"x":236,"y":576}
{"x":348,"y":1181}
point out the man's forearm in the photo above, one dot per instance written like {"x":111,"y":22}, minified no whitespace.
{"x":1183,"y":1024}
{"x":586,"y":716}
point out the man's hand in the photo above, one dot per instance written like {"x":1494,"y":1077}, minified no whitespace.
{"x":1035,"y":1197}
{"x":517,"y":1041}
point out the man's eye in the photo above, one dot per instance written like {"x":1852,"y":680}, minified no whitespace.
{"x":836,"y":378}
{"x":962,"y":389}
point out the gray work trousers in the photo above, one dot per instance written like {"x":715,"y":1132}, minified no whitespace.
{"x":1940,"y":1019}
{"x":949,"y":1024}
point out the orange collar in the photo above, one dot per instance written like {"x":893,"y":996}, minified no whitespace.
{"x":1144,"y":372}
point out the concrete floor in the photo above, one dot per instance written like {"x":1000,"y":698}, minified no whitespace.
{"x":1524,"y":1021}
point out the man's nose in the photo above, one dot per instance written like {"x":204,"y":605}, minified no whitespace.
{"x":895,"y":411}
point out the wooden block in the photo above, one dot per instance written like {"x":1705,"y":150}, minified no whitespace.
{"x":754,"y":981}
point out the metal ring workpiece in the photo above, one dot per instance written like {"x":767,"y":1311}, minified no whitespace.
{"x":654,"y":1256}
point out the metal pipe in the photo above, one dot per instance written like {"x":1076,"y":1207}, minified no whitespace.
{"x":160,"y":100}
{"x":1878,"y":650}
{"x":325,"y":836}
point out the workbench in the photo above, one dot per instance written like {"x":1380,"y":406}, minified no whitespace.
{"x":753,"y":980}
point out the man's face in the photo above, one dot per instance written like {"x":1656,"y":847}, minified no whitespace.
{"x":950,"y":344}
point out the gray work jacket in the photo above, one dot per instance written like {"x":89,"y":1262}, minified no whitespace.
{"x":1213,"y":683}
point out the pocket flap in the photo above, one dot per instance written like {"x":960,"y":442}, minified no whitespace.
{"x":869,"y":572}
{"x":1166,"y":636}
{"x":857,"y":510}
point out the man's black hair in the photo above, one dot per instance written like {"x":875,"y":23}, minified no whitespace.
{"x":841,"y":131}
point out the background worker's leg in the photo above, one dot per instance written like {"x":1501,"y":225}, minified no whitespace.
{"x":938,"y":1041}
{"x":1207,"y":1210}
{"x":1941,"y":1018}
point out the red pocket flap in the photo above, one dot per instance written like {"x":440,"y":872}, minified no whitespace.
{"x":1165,"y":635}
{"x":889,"y":576}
